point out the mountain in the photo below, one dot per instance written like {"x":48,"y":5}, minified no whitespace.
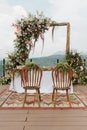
{"x":52,"y":59}
{"x":49,"y":60}
{"x":42,"y":61}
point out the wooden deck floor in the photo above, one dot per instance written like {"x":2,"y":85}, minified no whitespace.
{"x":43,"y":119}
{"x":51,"y":119}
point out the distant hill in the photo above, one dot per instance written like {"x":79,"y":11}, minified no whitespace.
{"x":52,"y":59}
{"x":48,"y":60}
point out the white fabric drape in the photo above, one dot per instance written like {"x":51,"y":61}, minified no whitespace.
{"x":46,"y":84}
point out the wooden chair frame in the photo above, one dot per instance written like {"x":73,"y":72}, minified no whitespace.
{"x":31,"y":80}
{"x":61,"y":81}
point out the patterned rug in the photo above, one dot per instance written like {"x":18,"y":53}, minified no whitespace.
{"x":9,"y":99}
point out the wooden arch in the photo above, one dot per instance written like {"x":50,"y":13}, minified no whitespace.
{"x":67,"y":34}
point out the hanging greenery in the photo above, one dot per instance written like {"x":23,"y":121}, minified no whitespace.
{"x":64,"y":66}
{"x":28,"y":31}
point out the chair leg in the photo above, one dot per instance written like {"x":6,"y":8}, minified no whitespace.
{"x":25,"y":94}
{"x":54,"y":96}
{"x":38,"y":98}
{"x":39,"y":95}
{"x":67,"y":95}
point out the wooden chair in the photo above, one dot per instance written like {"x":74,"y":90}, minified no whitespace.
{"x":31,"y":80}
{"x":61,"y":81}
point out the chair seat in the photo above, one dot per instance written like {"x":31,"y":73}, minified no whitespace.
{"x":32,"y":87}
{"x":60,"y":88}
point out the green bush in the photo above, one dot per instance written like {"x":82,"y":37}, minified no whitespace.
{"x":5,"y":80}
{"x":75,"y":60}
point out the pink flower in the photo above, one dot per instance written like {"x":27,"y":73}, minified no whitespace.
{"x":39,"y":20}
{"x":30,"y":42}
{"x":31,"y":19}
{"x":75,"y":75}
{"x":47,"y":25}
{"x":17,"y":27}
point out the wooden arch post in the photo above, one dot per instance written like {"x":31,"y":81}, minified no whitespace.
{"x":67,"y":34}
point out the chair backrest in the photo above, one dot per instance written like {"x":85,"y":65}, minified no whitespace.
{"x":62,"y":78}
{"x":31,"y":76}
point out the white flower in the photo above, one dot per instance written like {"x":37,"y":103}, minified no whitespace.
{"x":73,"y":53}
{"x":81,"y":67}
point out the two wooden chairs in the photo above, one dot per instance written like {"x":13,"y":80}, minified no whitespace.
{"x":31,"y":80}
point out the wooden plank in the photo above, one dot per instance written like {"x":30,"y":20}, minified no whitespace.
{"x":56,"y":123}
{"x":12,"y":127}
{"x":68,"y":39}
{"x":13,"y":112}
{"x":55,"y":127}
{"x":48,"y":120}
{"x":12,"y":117}
{"x":59,"y":24}
{"x":7,"y":123}
{"x":58,"y":119}
{"x":57,"y":112}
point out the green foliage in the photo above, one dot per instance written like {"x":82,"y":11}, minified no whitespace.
{"x":1,"y":67}
{"x":12,"y":61}
{"x":30,"y":65}
{"x":5,"y":80}
{"x":64,"y":66}
{"x":75,"y":60}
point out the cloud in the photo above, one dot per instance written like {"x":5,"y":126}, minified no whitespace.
{"x":73,"y":11}
{"x":19,"y":11}
{"x":6,"y":30}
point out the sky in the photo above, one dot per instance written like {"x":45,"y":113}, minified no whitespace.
{"x":72,"y":11}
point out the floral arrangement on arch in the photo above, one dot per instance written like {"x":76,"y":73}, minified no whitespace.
{"x":75,"y":60}
{"x":28,"y":31}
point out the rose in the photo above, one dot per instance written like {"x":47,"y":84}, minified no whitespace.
{"x":75,"y":75}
